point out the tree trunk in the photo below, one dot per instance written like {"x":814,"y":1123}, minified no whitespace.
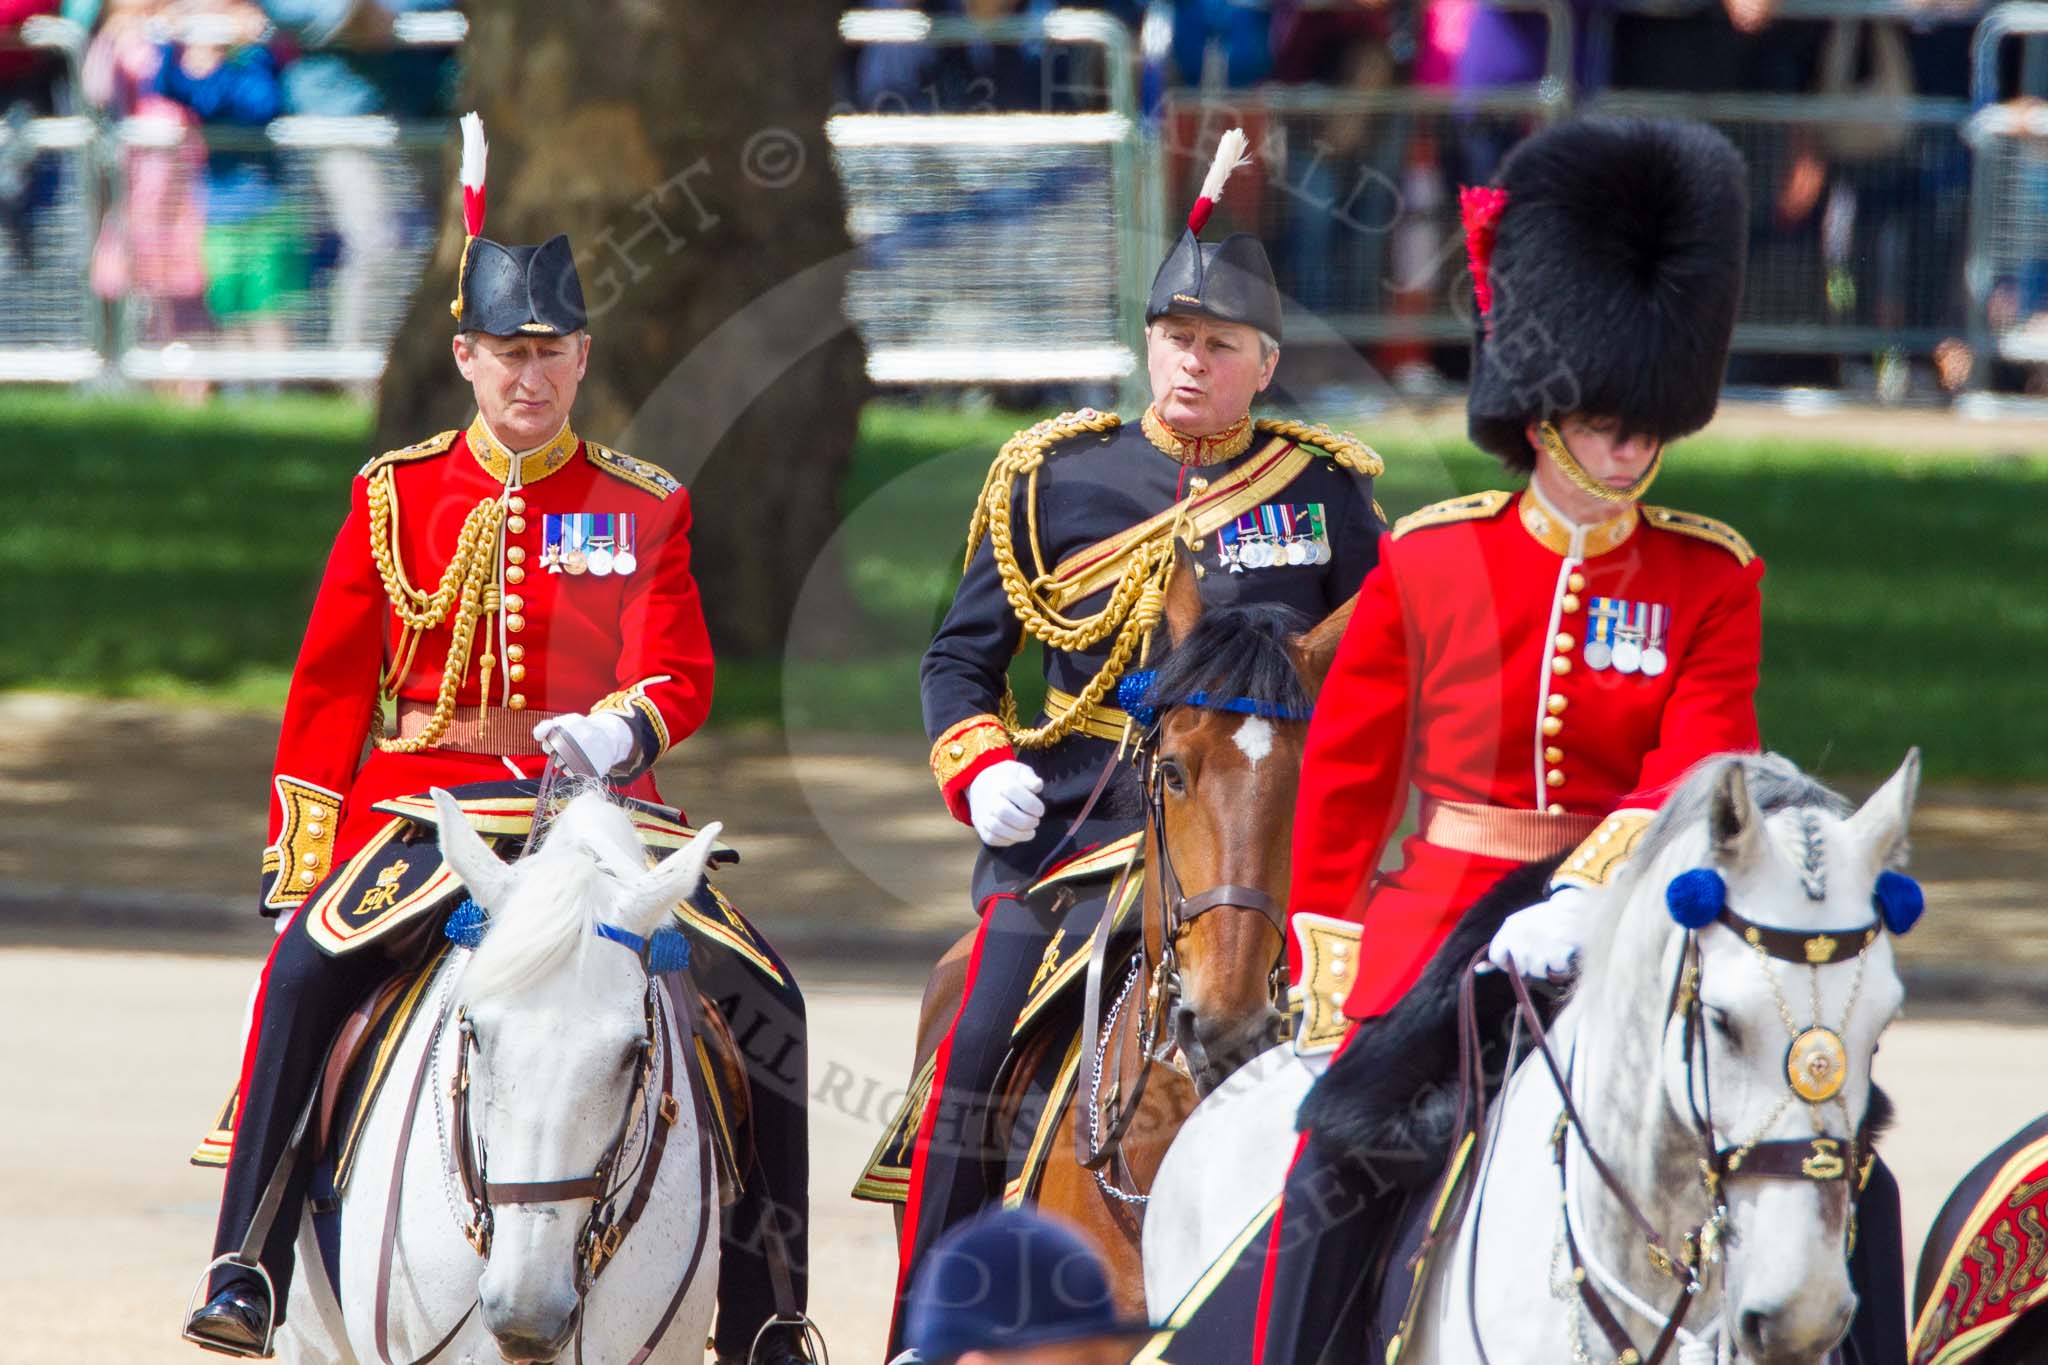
{"x":680,"y":144}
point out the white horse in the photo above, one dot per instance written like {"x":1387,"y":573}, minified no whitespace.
{"x":1682,"y":1045}
{"x":560,"y":1053}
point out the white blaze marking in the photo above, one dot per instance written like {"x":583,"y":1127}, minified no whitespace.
{"x":1255,"y":737}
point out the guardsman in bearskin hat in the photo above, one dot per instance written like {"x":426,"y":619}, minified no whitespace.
{"x":1071,"y":544}
{"x":503,"y":586}
{"x":1542,"y":666}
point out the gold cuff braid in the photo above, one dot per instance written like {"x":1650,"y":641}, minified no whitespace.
{"x":304,"y":851}
{"x":1594,"y":862}
{"x":963,"y":745}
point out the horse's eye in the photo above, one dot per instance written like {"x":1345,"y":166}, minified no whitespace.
{"x":1722,"y":1024}
{"x":1173,"y":778}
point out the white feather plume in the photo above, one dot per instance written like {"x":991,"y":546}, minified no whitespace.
{"x":474,"y":152}
{"x":1232,"y":151}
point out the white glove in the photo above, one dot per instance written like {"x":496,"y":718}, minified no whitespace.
{"x":1003,"y":801}
{"x":606,"y":738}
{"x":1545,"y":938}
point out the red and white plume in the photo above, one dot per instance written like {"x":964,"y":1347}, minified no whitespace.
{"x":474,"y":152}
{"x":1232,"y":151}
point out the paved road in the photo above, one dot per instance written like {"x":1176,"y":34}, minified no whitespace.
{"x":115,"y":1061}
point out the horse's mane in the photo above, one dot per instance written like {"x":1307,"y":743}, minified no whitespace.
{"x":1236,"y":651}
{"x":560,"y":894}
{"x":1775,"y":784}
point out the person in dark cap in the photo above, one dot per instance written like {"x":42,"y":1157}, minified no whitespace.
{"x":565,"y":610}
{"x":1070,"y":544}
{"x":1016,"y":1287}
{"x":1541,"y":667}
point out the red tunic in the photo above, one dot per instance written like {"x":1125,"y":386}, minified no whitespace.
{"x":634,"y":643}
{"x":1465,"y":673}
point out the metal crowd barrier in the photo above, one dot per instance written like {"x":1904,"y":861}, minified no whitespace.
{"x":300,"y":265}
{"x":2007,"y":274}
{"x":49,"y":211}
{"x":967,"y":226}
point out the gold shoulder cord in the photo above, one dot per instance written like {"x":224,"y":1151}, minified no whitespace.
{"x":1135,"y":603}
{"x":468,"y":590}
{"x":1347,"y":450}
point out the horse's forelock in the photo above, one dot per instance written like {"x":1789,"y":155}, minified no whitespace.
{"x":559,"y":896}
{"x":1236,"y":651}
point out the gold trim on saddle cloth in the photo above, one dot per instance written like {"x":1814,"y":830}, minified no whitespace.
{"x":1520,"y":836}
{"x":1050,"y":1114}
{"x":1056,"y":972}
{"x":1991,"y":1247}
{"x":1154,"y":1350}
{"x":886,"y":1177}
{"x":1329,"y":966}
{"x":1086,"y":572}
{"x":1101,"y":722}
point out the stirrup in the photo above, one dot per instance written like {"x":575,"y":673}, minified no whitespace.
{"x":807,"y":1332}
{"x":200,"y":1296}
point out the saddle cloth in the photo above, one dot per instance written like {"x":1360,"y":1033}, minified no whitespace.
{"x":1996,"y":1267}
{"x":1045,"y":1042}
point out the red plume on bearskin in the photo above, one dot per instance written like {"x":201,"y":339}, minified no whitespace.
{"x":1481,"y":207}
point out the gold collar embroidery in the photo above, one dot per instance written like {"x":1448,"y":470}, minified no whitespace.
{"x":1227,"y":444}
{"x":534,"y":465}
{"x":1554,"y":533}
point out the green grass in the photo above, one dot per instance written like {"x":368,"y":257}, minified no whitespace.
{"x":156,"y":551}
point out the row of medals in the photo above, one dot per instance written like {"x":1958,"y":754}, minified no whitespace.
{"x":1265,"y":553}
{"x":1626,"y":655}
{"x":600,"y":559}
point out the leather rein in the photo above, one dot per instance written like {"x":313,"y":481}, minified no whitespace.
{"x":1098,"y":1141}
{"x":1821,"y":1159}
{"x":650,"y":1106}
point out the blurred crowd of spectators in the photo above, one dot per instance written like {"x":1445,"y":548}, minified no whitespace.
{"x":205,"y":235}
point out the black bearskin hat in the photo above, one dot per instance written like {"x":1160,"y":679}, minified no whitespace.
{"x":1607,"y":265}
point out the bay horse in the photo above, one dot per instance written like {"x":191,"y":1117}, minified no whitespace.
{"x":1672,"y":1174}
{"x":1219,"y":764}
{"x":546,"y":1049}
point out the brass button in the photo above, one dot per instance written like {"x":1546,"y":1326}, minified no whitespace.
{"x":310,"y":859}
{"x":1560,"y":664}
{"x":516,"y":672}
{"x":1198,"y":483}
{"x":515,"y":574}
{"x":1576,"y":583}
{"x":1551,"y":755}
{"x":1552,"y":725}
{"x":1564,"y":643}
{"x":956,"y":751}
{"x":1554,"y":808}
{"x":517,"y":701}
{"x":1555,"y":777}
{"x":1570,"y":603}
{"x":314,"y":829}
{"x":514,"y":602}
{"x":1201,"y":571}
{"x":515,"y":652}
{"x":1556,"y":702}
{"x":517,"y":554}
{"x":515,"y":525}
{"x":305,"y":879}
{"x":488,"y":661}
{"x":517,"y":504}
{"x":515,"y":623}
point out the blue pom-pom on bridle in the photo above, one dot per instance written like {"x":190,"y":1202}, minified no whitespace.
{"x":1899,"y":901}
{"x":665,"y":950}
{"x":1696,"y":898}
{"x":465,"y":928}
{"x":1131,"y":693}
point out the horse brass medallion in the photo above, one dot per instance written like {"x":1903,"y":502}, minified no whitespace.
{"x":1817,"y":1064}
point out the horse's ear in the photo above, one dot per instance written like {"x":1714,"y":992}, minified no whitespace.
{"x":1183,"y":594}
{"x":485,"y":874}
{"x":672,"y":880}
{"x":1735,"y":827}
{"x":1316,"y":649}
{"x":1879,"y":828}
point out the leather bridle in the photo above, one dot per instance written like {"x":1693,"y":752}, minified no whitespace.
{"x":1820,"y":1159}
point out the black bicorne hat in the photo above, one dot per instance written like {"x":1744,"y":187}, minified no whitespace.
{"x":1607,"y":265}
{"x":510,"y":290}
{"x":1230,"y":280}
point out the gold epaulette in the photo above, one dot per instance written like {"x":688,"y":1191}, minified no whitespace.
{"x":1346,"y":449}
{"x":1023,"y":454}
{"x":1470,"y":507}
{"x":648,"y":478}
{"x":437,"y":444}
{"x":1702,"y":528}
